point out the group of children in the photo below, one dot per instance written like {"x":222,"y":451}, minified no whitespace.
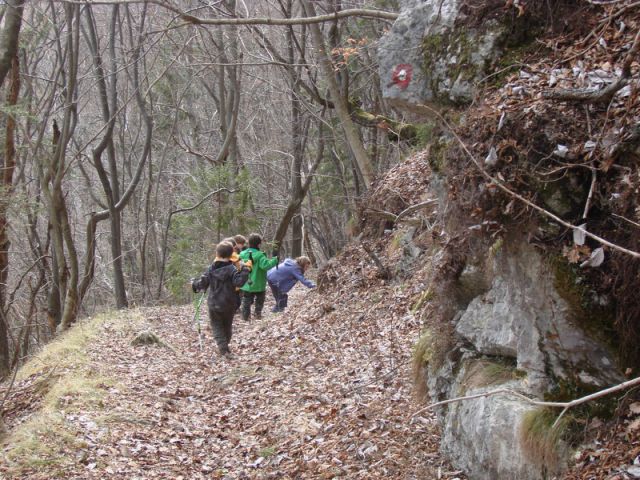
{"x":238,"y":278}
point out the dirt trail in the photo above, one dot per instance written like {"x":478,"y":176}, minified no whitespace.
{"x":306,"y":395}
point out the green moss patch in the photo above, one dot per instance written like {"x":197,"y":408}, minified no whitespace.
{"x":596,"y":320}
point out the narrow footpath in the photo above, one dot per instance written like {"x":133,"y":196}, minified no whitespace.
{"x":306,"y":394}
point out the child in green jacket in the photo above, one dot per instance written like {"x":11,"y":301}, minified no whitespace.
{"x":256,"y":286}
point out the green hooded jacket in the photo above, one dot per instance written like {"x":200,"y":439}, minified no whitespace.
{"x":258,"y":277}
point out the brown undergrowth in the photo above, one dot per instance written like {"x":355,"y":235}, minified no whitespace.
{"x":561,"y":156}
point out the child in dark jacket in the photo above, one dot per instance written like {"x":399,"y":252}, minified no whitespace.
{"x":221,"y":278}
{"x":284,"y":277}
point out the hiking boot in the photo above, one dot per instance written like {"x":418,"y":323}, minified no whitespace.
{"x":258,"y":316}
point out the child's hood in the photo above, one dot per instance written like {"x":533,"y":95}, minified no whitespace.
{"x":218,"y":268}
{"x":284,"y":270}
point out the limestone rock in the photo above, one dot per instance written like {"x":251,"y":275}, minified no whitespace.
{"x":521,"y":321}
{"x":481,"y":435}
{"x":427,"y":58}
{"x":524,"y":317}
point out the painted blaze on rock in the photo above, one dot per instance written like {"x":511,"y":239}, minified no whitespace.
{"x":447,"y":57}
{"x":401,"y":76}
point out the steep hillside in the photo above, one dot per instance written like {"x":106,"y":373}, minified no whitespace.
{"x":531,"y":114}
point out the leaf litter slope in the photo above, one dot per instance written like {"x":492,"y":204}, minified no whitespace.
{"x":316,"y":392}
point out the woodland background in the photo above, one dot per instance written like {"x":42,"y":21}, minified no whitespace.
{"x":135,"y":138}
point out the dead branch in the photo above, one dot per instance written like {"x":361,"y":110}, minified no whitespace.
{"x":626,"y":219}
{"x":564,"y":405}
{"x":190,"y":19}
{"x":407,"y":211}
{"x":414,"y":208}
{"x":519,"y":197}
{"x":587,"y":95}
{"x":587,"y":205}
{"x":383,"y":271}
{"x":382,"y":214}
{"x":603,"y":2}
{"x":605,"y":95}
{"x":624,"y":9}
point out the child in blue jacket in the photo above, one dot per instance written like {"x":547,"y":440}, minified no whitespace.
{"x":282,"y":278}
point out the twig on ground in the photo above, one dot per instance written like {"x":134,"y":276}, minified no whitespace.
{"x":587,"y":205}
{"x":407,"y":211}
{"x":626,"y":219}
{"x":605,"y":95}
{"x":383,"y":270}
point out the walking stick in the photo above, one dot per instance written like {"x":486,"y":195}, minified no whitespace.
{"x":196,"y":319}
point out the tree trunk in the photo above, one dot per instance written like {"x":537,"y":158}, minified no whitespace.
{"x":295,"y":202}
{"x":297,"y":145}
{"x":8,"y":167}
{"x":350,"y":130}
{"x":110,"y":183}
{"x":9,"y":36}
{"x":52,"y":172}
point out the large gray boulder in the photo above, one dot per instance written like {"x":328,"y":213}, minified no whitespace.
{"x":431,"y":57}
{"x":481,"y":436}
{"x":521,"y":321}
{"x":523,"y":316}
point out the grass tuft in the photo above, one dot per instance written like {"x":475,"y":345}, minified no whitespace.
{"x":484,"y":373}
{"x":422,"y":354}
{"x":147,"y":337}
{"x":543,"y":442}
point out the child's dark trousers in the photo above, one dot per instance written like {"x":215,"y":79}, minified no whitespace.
{"x":248,"y":299}
{"x":222,"y":326}
{"x":281,"y":298}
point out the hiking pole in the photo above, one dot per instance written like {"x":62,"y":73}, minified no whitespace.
{"x":249,"y":281}
{"x":196,"y":319}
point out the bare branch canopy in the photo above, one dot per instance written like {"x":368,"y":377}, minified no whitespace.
{"x":353,"y":12}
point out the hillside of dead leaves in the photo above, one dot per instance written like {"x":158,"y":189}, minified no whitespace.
{"x":321,"y":391}
{"x":325,"y":389}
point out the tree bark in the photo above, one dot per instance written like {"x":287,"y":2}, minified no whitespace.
{"x":294,"y":204}
{"x":311,"y":18}
{"x":350,"y":130}
{"x":9,"y":37}
{"x":8,"y":167}
{"x":297,"y":144}
{"x":110,"y":182}
{"x":51,"y":172}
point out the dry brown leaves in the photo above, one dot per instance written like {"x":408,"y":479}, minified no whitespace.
{"x":588,"y":63}
{"x":402,"y":185}
{"x":614,"y":452}
{"x":315,"y":392}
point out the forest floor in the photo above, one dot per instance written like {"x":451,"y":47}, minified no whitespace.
{"x":306,"y":394}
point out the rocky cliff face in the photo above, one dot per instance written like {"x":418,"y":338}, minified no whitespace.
{"x":521,"y":331}
{"x":435,"y":55}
